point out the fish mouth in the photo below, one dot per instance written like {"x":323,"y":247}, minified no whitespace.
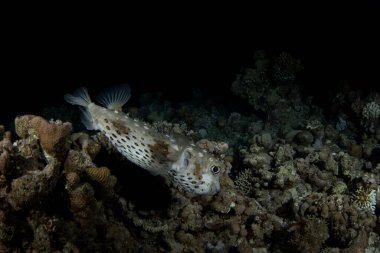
{"x":211,"y":190}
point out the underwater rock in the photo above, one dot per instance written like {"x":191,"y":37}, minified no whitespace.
{"x":78,"y":161}
{"x":350,"y":166}
{"x":286,"y":176}
{"x":255,"y":157}
{"x":304,"y":138}
{"x":82,"y":141}
{"x":356,"y":151}
{"x":264,"y":140}
{"x":118,"y":237}
{"x":309,"y":234}
{"x":34,"y":186}
{"x":83,"y":203}
{"x":42,"y":241}
{"x":6,"y":232}
{"x":72,"y":180}
{"x":5,"y":149}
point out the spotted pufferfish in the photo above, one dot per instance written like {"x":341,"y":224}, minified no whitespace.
{"x":186,"y":164}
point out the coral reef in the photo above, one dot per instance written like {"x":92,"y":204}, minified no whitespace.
{"x":299,"y":182}
{"x":269,"y":88}
{"x":49,"y":176}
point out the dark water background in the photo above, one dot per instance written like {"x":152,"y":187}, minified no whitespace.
{"x":43,"y":60}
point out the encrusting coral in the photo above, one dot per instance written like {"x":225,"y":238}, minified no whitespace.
{"x":50,"y":134}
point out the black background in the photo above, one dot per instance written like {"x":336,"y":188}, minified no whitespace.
{"x":47,"y":55}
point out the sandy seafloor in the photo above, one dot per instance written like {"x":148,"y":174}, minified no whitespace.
{"x":302,"y":176}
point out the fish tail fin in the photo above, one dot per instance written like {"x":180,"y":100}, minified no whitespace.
{"x":79,"y":97}
{"x":82,"y":98}
{"x":115,"y":97}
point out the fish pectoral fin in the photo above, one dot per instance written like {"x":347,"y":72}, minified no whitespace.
{"x":184,"y":161}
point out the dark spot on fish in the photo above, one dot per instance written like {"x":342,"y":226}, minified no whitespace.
{"x":134,"y":137}
{"x":108,"y":128}
{"x":196,"y":187}
{"x":118,"y":132}
{"x":128,"y":138}
{"x":105,"y":120}
{"x":111,"y":138}
{"x":123,"y":140}
{"x":142,"y":144}
{"x":120,"y":126}
{"x":198,"y":171}
{"x":114,"y":135}
{"x":193,"y":182}
{"x":161,"y":151}
{"x":136,"y":144}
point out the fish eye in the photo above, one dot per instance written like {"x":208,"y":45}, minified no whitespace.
{"x":215,"y":169}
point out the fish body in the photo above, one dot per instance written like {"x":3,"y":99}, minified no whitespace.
{"x":189,"y":166}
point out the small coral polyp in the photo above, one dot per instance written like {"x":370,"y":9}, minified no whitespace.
{"x":365,"y":199}
{"x":371,"y":111}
